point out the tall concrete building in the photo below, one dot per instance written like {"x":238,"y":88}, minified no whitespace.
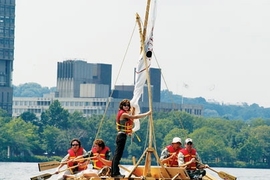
{"x":7,"y":27}
{"x":155,"y":80}
{"x":77,"y":78}
{"x":126,"y":91}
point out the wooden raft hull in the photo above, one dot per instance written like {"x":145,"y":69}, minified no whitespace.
{"x":166,"y":173}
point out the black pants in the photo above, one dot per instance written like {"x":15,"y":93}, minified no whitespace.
{"x":197,"y":174}
{"x":118,"y":153}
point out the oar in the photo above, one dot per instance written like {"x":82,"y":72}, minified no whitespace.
{"x":53,"y":164}
{"x":48,"y":175}
{"x":48,"y":165}
{"x":223,"y":175}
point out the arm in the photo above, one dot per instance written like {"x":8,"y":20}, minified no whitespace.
{"x":108,"y":155}
{"x":200,"y":165}
{"x":87,"y":154}
{"x":181,"y":161}
{"x":138,"y":116}
{"x":84,"y":156}
{"x":165,"y":157}
{"x":81,"y":160}
{"x":104,"y":161}
{"x":63,"y":162}
{"x":187,"y":163}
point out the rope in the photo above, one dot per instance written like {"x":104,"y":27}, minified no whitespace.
{"x":109,"y":99}
{"x":166,"y":85}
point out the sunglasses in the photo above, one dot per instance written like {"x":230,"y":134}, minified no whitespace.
{"x":75,"y":145}
{"x":189,"y":143}
{"x":126,"y":105}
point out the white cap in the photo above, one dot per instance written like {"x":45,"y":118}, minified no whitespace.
{"x":176,"y":140}
{"x":188,"y":140}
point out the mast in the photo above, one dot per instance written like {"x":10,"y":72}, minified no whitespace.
{"x":145,"y":59}
{"x":146,"y":19}
{"x":147,"y":170}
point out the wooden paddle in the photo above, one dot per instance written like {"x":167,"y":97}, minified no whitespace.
{"x":53,"y":164}
{"x":48,"y":175}
{"x":48,"y":165}
{"x":223,"y":175}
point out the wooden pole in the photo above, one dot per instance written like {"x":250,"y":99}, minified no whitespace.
{"x":147,"y":169}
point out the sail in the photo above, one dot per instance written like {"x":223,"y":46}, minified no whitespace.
{"x":140,"y":72}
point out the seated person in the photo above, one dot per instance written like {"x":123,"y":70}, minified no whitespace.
{"x":73,"y":166}
{"x":100,"y":155}
{"x":189,"y":158}
{"x":169,"y":154}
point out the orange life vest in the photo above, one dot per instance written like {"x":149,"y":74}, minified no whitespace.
{"x":174,"y":161}
{"x":188,"y":156}
{"x":73,"y":155}
{"x":124,"y":125}
{"x":96,"y":163}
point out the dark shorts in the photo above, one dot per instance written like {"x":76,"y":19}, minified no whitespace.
{"x":196,"y":174}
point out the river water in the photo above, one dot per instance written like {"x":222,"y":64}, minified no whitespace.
{"x":24,"y":171}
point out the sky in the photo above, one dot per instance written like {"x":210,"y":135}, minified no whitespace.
{"x":215,"y":49}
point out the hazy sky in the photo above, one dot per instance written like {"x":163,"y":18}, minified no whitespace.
{"x":219,"y":48}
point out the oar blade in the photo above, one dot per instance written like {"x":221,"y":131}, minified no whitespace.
{"x":226,"y":176}
{"x":48,"y":165}
{"x":43,"y":176}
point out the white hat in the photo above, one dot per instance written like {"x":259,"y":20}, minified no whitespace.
{"x":176,"y":140}
{"x":188,"y":140}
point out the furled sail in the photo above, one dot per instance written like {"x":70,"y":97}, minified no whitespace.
{"x":141,"y":73}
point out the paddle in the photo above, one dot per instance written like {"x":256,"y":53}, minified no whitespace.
{"x":48,"y":165}
{"x":48,"y":175}
{"x":53,"y":164}
{"x":223,"y":175}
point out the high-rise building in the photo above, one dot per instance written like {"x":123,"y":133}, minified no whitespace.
{"x":155,"y":80}
{"x":126,"y":91}
{"x":77,"y":78}
{"x":7,"y":27}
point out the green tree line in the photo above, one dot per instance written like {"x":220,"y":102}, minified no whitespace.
{"x":219,"y":141}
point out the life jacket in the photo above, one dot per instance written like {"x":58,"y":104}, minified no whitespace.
{"x":124,"y":125}
{"x":96,"y":163}
{"x":73,"y":155}
{"x":188,"y":156}
{"x":174,"y":161}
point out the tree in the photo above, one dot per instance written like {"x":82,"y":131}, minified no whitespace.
{"x":262,"y":134}
{"x":28,"y":116}
{"x":50,"y":140}
{"x":56,"y":116}
{"x":20,"y":136}
{"x":31,"y":90}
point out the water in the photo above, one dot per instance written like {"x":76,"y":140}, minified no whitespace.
{"x":24,"y":171}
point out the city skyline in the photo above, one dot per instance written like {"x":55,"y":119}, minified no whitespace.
{"x":219,"y":49}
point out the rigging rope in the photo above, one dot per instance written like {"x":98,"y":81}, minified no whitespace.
{"x":109,"y":99}
{"x":166,"y":85}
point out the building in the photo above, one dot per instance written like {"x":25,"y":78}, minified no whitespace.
{"x":85,"y":87}
{"x":93,"y":106}
{"x":37,"y":105}
{"x":126,"y":91}
{"x":7,"y":28}
{"x":76,"y":77}
{"x":155,"y":81}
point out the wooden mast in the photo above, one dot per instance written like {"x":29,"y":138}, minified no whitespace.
{"x":150,"y":149}
{"x":147,"y":169}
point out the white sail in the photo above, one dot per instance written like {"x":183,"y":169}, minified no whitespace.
{"x":140,"y":75}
